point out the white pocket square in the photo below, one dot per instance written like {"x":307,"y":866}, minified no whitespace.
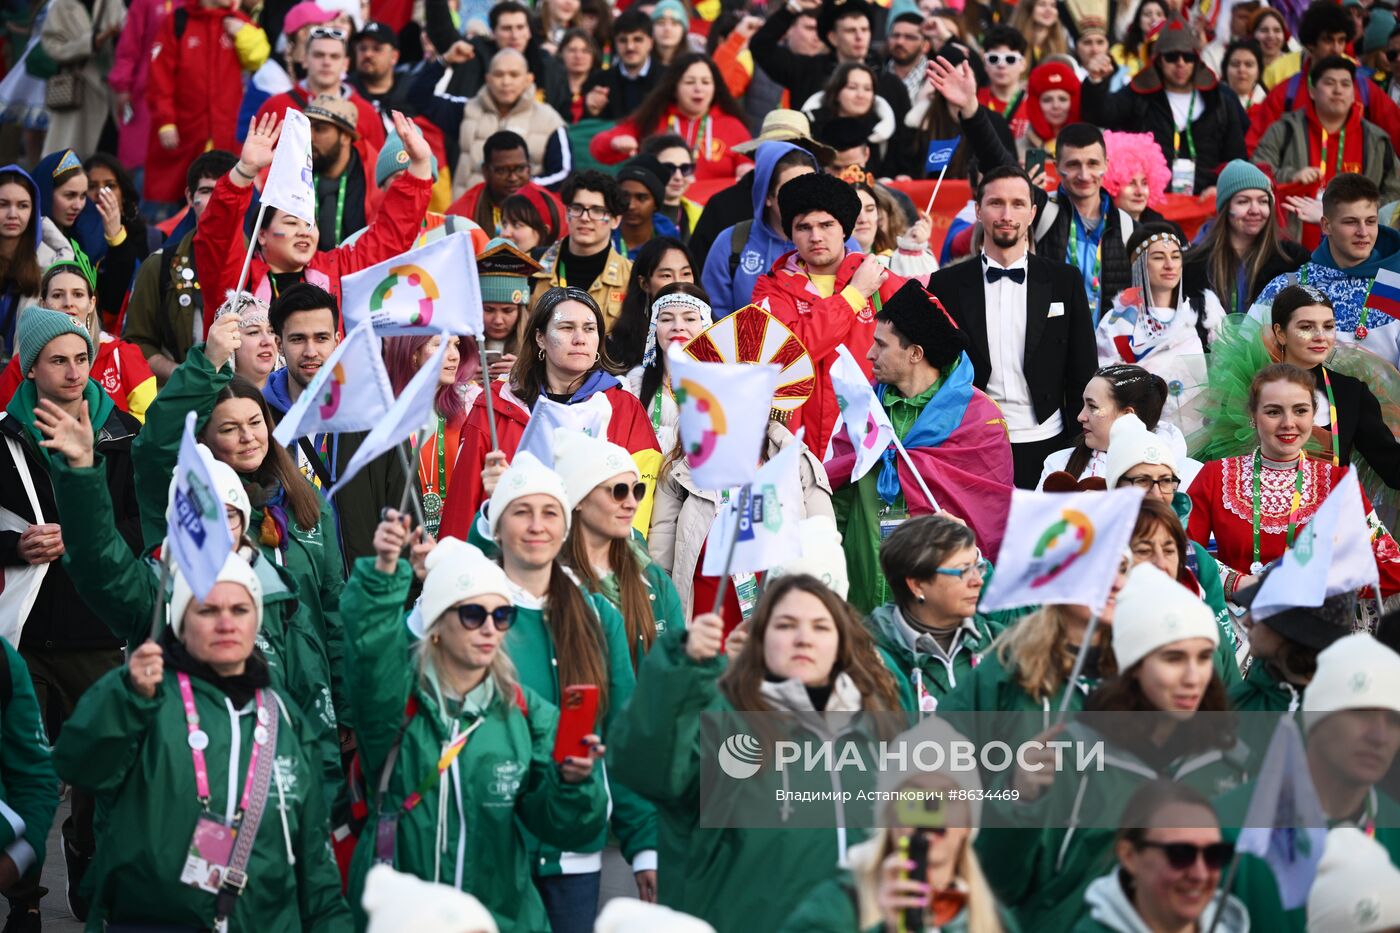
{"x":1057,"y":309}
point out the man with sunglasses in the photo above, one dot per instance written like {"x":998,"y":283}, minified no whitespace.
{"x":1197,"y":123}
{"x":677,"y":165}
{"x":586,"y":258}
{"x":327,"y":61}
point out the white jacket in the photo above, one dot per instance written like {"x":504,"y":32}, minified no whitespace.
{"x":884,"y":113}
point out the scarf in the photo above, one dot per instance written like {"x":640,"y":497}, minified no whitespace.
{"x":940,"y":418}
{"x":26,"y":399}
{"x":1351,"y":141}
{"x":271,"y":498}
{"x":239,"y":687}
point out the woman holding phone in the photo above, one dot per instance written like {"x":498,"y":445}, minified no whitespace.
{"x":460,"y":750}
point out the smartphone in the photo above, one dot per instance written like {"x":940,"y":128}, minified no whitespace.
{"x":918,"y":854}
{"x":1035,"y":159}
{"x":578,"y":713}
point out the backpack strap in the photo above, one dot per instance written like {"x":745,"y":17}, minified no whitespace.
{"x":738,"y":239}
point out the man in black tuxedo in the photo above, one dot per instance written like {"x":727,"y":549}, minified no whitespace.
{"x":1027,"y":322}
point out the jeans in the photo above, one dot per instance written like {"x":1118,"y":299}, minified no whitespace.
{"x":571,"y":901}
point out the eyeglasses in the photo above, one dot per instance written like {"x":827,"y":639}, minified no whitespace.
{"x":1002,"y":58}
{"x":596,"y":212}
{"x":1166,"y":483}
{"x":1182,"y":855}
{"x":505,"y":171}
{"x":1177,"y":58}
{"x":673,"y":169}
{"x":961,"y":572}
{"x":473,"y":616}
{"x":620,"y":491}
{"x":327,"y":32}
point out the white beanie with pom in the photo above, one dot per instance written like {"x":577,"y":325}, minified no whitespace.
{"x":235,"y":570}
{"x":1154,"y":610}
{"x":585,"y":462}
{"x":457,"y":571}
{"x":1130,"y":443}
{"x":1356,"y":889}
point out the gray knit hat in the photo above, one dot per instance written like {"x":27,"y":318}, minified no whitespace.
{"x":37,"y":326}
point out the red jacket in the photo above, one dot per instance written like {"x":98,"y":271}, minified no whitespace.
{"x":196,"y":84}
{"x":1380,"y":109}
{"x":822,"y":324}
{"x":219,"y":247}
{"x":629,"y":427}
{"x":369,"y":123}
{"x":470,"y":201}
{"x":722,"y":131}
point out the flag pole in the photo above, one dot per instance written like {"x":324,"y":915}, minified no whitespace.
{"x":1225,"y":886}
{"x":486,"y":387}
{"x":409,"y":477}
{"x":909,"y":462}
{"x":252,"y":245}
{"x":158,"y":609}
{"x":1078,"y":668}
{"x":928,"y":209}
{"x":733,"y":541}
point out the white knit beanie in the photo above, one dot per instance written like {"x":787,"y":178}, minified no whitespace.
{"x":235,"y":570}
{"x":822,"y":555}
{"x":400,"y":903}
{"x":526,"y":477}
{"x":585,"y":462}
{"x":1357,"y":889}
{"x":1130,"y":443}
{"x":1154,"y":610}
{"x":1355,"y":672}
{"x":629,"y":915}
{"x":456,"y":571}
{"x":228,"y":485}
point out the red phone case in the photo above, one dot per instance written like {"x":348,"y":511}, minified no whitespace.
{"x":577,"y":715}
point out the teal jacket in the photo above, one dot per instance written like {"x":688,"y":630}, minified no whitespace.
{"x":503,"y":782}
{"x":1262,"y":691}
{"x":28,"y":784}
{"x":924,"y":675}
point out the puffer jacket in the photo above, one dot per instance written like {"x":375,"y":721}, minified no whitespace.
{"x":481,"y":118}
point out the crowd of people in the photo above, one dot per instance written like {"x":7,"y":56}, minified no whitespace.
{"x":1176,"y":269}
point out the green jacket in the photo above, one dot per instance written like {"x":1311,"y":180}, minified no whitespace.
{"x":1262,"y":691}
{"x":121,"y":588}
{"x":504,"y":778}
{"x":938,"y":676}
{"x":1042,"y":873}
{"x":666,"y":608}
{"x":737,"y":879}
{"x":133,"y":753}
{"x":1213,"y":594}
{"x":28,"y":784}
{"x":311,"y":556}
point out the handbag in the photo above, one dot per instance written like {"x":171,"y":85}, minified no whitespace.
{"x":64,"y":91}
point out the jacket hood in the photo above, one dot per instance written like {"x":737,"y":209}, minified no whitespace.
{"x":36,"y":216}
{"x":278,"y":396}
{"x":1109,"y":905}
{"x":1385,"y":255}
{"x":87,"y":229}
{"x":765,"y":159}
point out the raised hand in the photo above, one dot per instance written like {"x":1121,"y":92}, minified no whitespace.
{"x":225,"y":337}
{"x":258,"y":148}
{"x":420,"y":155}
{"x":704,"y":637}
{"x":958,"y":85}
{"x":111,"y":213}
{"x":146,"y":669}
{"x":64,"y":434}
{"x":390,"y":538}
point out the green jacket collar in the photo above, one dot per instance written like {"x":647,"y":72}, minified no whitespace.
{"x":26,"y":399}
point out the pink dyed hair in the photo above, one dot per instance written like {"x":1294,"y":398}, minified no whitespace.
{"x":399,"y":363}
{"x":1131,"y":154}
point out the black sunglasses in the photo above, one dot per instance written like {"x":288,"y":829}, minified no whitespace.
{"x":672,"y":168}
{"x":1182,"y":855}
{"x":619,"y":491}
{"x":473,"y":616}
{"x":1176,"y":58}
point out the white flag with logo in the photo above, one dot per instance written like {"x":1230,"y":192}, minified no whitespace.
{"x":769,"y":531}
{"x":1062,"y":548}
{"x":411,"y":411}
{"x":427,"y":290}
{"x":350,"y":392}
{"x":865,"y":419}
{"x":196,"y":530}
{"x":590,"y":416}
{"x":723,"y":417}
{"x":1285,"y":824}
{"x":1330,"y":554}
{"x":289,"y":185}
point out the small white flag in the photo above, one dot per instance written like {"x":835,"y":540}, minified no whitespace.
{"x":427,"y":290}
{"x":866,"y":422}
{"x":590,"y":416}
{"x":1330,"y":554}
{"x":196,"y":530}
{"x":1285,"y":824}
{"x":1062,"y":548}
{"x":413,"y":409}
{"x":289,"y":185}
{"x":723,"y":417}
{"x":350,"y":392}
{"x":769,"y":534}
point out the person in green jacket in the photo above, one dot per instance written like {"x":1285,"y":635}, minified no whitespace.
{"x":1170,"y":856}
{"x":458,"y":746}
{"x":931,"y":634}
{"x":806,"y":653}
{"x":1284,"y":649}
{"x":604,"y":489}
{"x":185,"y":743}
{"x":28,"y":785}
{"x":1164,"y":641}
{"x":292,"y":525}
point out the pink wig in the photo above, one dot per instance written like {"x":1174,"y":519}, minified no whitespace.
{"x":1132,"y":154}
{"x":399,"y":362}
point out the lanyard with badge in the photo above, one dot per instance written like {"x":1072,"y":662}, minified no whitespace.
{"x":433,"y":494}
{"x":1184,"y":169}
{"x":339,"y":204}
{"x":212,"y":845}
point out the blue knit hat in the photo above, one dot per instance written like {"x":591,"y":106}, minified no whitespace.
{"x":672,"y":8}
{"x":394,"y":158}
{"x":1238,"y":176}
{"x":37,"y":326}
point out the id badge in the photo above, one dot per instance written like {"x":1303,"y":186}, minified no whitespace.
{"x":1183,"y":176}
{"x":386,"y":835}
{"x":746,"y":591}
{"x":890,"y":519}
{"x":211,"y":847}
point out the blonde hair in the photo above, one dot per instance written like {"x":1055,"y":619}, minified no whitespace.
{"x":1036,"y":650}
{"x":867,"y":858}
{"x":428,"y":651}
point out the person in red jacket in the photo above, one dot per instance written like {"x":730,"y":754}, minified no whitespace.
{"x":505,"y":160}
{"x":568,"y":364}
{"x":286,"y":243}
{"x":826,"y":294}
{"x":195,"y":88}
{"x":692,"y":101}
{"x":327,"y":59}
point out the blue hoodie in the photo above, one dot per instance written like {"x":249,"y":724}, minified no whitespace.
{"x":764,"y":246}
{"x":87,"y":229}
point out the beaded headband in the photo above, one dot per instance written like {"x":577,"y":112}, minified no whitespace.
{"x":682,"y":299}
{"x":1155,"y":238}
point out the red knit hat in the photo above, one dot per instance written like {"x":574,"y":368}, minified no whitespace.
{"x":1051,"y":76}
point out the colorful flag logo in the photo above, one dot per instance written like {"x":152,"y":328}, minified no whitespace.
{"x":867,"y":424}
{"x":723,"y":417}
{"x":350,"y":392}
{"x":768,"y":532}
{"x":427,"y":290}
{"x":289,"y":185}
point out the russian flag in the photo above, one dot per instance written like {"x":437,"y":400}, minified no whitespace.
{"x":1385,"y":293}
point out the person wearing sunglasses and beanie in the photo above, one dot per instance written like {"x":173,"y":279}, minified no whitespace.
{"x":465,"y":746}
{"x":1197,"y":122}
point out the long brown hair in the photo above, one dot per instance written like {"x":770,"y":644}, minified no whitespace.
{"x":527,"y":376}
{"x":651,"y":111}
{"x":1123,"y":693}
{"x":22,"y":267}
{"x":579,"y":651}
{"x":856,"y":656}
{"x":1037,"y":651}
{"x":637,"y":615}
{"x":1223,"y":266}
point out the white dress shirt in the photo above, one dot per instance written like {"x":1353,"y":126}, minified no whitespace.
{"x":1006,"y":346}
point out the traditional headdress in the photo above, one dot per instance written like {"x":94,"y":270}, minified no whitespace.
{"x":673,"y":300}
{"x":752,"y":335}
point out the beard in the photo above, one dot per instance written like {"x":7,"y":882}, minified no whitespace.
{"x":322,"y":162}
{"x":1004,"y":239}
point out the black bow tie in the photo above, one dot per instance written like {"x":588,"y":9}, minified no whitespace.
{"x":1016,"y":275}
